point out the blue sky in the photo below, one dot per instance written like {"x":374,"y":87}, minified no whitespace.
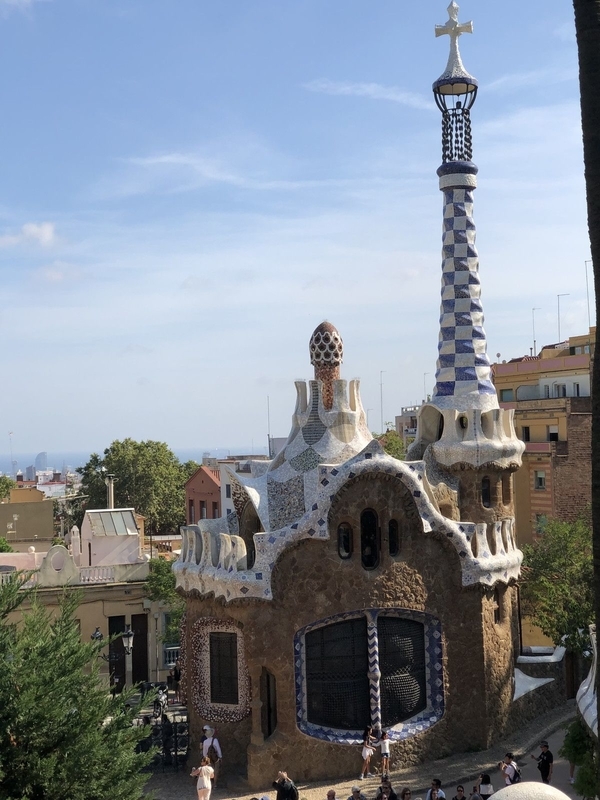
{"x":188,"y":188}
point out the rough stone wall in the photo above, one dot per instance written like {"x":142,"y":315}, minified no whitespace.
{"x":471,"y":506}
{"x":311,"y":582}
{"x":572,"y":473}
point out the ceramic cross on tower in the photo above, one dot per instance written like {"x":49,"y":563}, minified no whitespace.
{"x":453,"y":28}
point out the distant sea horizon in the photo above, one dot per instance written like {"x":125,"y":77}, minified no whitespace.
{"x":73,"y":459}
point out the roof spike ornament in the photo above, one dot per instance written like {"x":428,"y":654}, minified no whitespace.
{"x":455,"y":92}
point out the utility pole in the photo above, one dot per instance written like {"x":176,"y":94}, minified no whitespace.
{"x":381,"y":396}
{"x":533,"y":310}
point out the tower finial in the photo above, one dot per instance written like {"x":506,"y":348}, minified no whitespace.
{"x":453,"y":28}
{"x":455,"y":92}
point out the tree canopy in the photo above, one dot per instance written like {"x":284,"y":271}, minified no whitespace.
{"x":6,"y":484}
{"x":62,"y":735}
{"x":148,"y":477}
{"x":392,"y":443}
{"x":161,"y":586}
{"x":557,"y":589}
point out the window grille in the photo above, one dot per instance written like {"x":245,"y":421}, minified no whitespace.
{"x":336,"y":675}
{"x":402,"y":665}
{"x":223,"y":668}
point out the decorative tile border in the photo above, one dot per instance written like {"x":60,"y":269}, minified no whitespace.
{"x":199,"y":659}
{"x":433,"y":668}
{"x":228,"y":582}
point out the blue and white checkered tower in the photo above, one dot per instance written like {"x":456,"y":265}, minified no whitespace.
{"x":463,"y":374}
{"x":462,"y":422}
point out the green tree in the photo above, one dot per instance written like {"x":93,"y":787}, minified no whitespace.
{"x":392,"y":443}
{"x":148,"y":477}
{"x":5,"y":546}
{"x":62,"y":735}
{"x":6,"y":484}
{"x":557,"y":591}
{"x":161,"y":587}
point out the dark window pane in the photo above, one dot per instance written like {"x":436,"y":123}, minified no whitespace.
{"x":337,"y":685}
{"x":344,"y":540}
{"x":394,"y":537}
{"x":369,"y":539}
{"x":402,"y":665}
{"x":486,"y":492}
{"x":223,"y":668}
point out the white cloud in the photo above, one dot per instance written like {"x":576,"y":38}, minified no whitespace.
{"x":41,"y":232}
{"x":374,"y":91}
{"x":536,"y":77}
{"x":59,"y":272}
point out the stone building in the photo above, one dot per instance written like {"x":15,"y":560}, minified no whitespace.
{"x":350,"y":588}
{"x":550,"y":394}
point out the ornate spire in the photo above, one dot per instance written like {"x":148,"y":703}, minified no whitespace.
{"x":463,"y":374}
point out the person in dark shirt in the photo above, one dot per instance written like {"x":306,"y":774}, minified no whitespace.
{"x":545,"y":762}
{"x":285,"y":787}
{"x":385,"y":791}
{"x":460,"y":793}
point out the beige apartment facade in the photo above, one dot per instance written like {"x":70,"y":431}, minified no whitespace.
{"x":551,"y":397}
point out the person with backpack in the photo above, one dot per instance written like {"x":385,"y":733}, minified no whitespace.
{"x":512,"y":774}
{"x":211,"y":749}
{"x":286,"y":789}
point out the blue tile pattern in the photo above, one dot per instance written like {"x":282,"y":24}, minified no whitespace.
{"x":463,"y":366}
{"x":434,"y":678}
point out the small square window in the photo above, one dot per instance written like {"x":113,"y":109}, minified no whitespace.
{"x":552,"y":433}
{"x":506,"y":395}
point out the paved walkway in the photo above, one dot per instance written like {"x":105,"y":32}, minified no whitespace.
{"x":463,"y":768}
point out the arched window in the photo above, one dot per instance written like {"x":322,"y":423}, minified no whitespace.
{"x":345,"y":540}
{"x":486,"y":492}
{"x":394,"y":537}
{"x":369,"y":539}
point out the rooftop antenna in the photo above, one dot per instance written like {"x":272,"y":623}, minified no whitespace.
{"x":533,"y":310}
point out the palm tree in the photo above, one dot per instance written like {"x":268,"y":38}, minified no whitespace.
{"x":587,"y":27}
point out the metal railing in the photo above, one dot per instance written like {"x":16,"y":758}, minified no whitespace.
{"x":170,"y":655}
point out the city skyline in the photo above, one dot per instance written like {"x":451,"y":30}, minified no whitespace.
{"x":185,"y":196}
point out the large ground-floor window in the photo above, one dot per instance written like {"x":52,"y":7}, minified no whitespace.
{"x":379,"y":666}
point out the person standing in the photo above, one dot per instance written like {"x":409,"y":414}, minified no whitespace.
{"x":285,"y":787}
{"x":460,"y":792}
{"x":509,"y":767}
{"x":485,"y":788}
{"x":176,"y":673}
{"x":204,"y":773}
{"x":436,"y":786}
{"x":384,"y":744}
{"x":368,"y":748}
{"x":211,"y":749}
{"x":545,"y":762}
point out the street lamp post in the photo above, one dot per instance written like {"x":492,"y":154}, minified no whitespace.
{"x":126,"y":638}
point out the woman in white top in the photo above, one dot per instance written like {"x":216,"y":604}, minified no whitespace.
{"x":204,"y":773}
{"x":484,"y":787}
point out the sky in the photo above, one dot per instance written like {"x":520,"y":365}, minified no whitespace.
{"x":188,"y":188}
